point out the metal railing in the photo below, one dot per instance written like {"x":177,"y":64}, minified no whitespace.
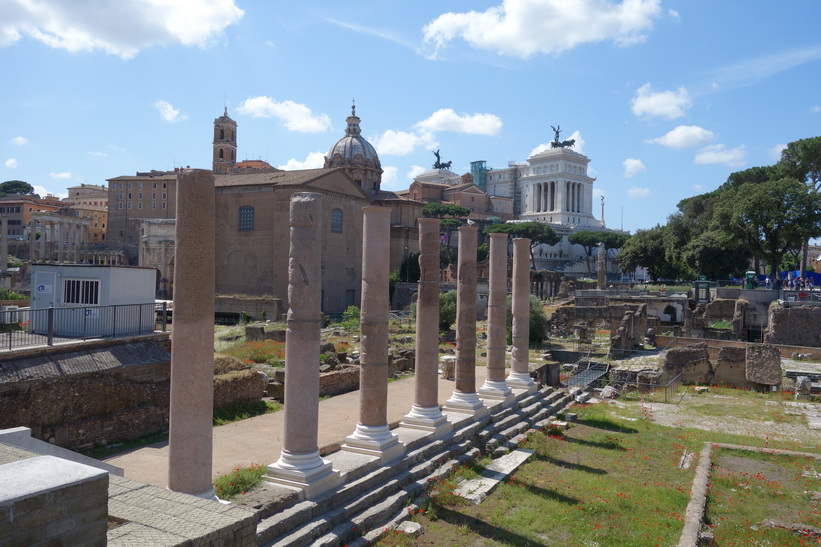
{"x":26,"y":327}
{"x":647,"y":391}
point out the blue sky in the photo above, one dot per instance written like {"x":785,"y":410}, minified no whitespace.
{"x":666,"y":97}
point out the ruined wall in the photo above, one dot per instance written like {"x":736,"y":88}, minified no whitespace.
{"x":251,"y":305}
{"x":630,"y":331}
{"x":242,"y":386}
{"x":605,"y":317}
{"x":339,"y":381}
{"x":796,"y":326}
{"x":692,"y":362}
{"x":720,"y":309}
{"x":730,"y":367}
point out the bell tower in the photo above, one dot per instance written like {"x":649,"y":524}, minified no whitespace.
{"x":225,"y":144}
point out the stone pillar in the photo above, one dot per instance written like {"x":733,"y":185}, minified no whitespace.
{"x":45,"y":241}
{"x":425,"y":413}
{"x":495,"y":386}
{"x":601,"y":262}
{"x":192,"y":350}
{"x":32,"y":240}
{"x":59,"y":241}
{"x":519,"y":377}
{"x":464,"y":398}
{"x":372,"y":435}
{"x":299,"y":464}
{"x":4,"y":243}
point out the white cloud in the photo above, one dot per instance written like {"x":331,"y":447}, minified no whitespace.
{"x":61,"y":175}
{"x":117,"y":27}
{"x":684,"y":136}
{"x":815,"y":109}
{"x":598,"y":193}
{"x":578,"y":146}
{"x":673,"y":14}
{"x":96,"y":153}
{"x":314,"y":160}
{"x":445,"y":119}
{"x":402,"y":143}
{"x":168,"y":112}
{"x":390,"y":178}
{"x":522,"y":28}
{"x":698,"y":187}
{"x":718,"y":153}
{"x":415,"y":171}
{"x":19,"y":141}
{"x":11,"y":163}
{"x":379,"y":33}
{"x":666,"y":104}
{"x":775,"y":152}
{"x":751,"y":71}
{"x":632,"y":167}
{"x":294,"y":116}
{"x":637,"y":192}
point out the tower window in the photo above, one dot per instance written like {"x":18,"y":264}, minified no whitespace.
{"x":246,"y":218}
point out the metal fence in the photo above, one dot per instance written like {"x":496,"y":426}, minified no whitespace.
{"x":26,"y":327}
{"x":665,"y":393}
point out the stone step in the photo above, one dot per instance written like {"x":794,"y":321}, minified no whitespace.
{"x":375,"y":494}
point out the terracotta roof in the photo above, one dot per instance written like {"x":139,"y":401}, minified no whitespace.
{"x":284,"y":178}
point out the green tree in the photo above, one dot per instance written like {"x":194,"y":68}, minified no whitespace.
{"x":537,"y":325}
{"x":16,"y":187}
{"x":588,"y":239}
{"x":447,"y":310}
{"x":770,"y":217}
{"x":409,"y":271}
{"x":445,"y":210}
{"x":801,"y":160}
{"x":716,"y":254}
{"x":539,"y":233}
{"x":645,"y":249}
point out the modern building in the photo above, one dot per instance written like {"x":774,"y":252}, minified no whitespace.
{"x":151,"y":194}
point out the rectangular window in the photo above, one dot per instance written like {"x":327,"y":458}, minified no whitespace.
{"x":165,"y":185}
{"x":129,"y":205}
{"x":121,"y":196}
{"x":81,"y":291}
{"x":129,"y":186}
{"x":153,"y":195}
{"x":153,"y":185}
{"x":140,"y":185}
{"x":153,"y":205}
{"x":164,"y":205}
{"x":164,"y":195}
{"x":140,"y":195}
{"x":129,"y":195}
{"x":119,"y":206}
{"x":140,"y":205}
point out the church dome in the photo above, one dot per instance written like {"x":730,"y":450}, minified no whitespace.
{"x":357,"y":155}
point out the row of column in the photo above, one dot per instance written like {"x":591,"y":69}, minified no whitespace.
{"x":65,"y":241}
{"x":552,"y":195}
{"x":300,"y":464}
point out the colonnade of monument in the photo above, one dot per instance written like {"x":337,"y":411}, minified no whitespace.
{"x":64,"y":240}
{"x":300,"y":464}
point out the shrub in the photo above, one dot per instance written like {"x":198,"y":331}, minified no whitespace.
{"x":350,"y":318}
{"x":537,"y":324}
{"x":447,"y":310}
{"x":239,"y":481}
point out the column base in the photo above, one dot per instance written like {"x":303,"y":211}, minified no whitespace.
{"x":521,"y":380}
{"x":427,"y":419}
{"x":497,"y":391}
{"x":374,"y":441}
{"x":466,"y":403}
{"x":308,"y":472}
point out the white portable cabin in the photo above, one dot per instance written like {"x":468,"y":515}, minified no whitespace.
{"x":93,"y":300}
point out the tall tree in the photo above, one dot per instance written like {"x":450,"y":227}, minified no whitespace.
{"x":16,"y":187}
{"x":588,"y":239}
{"x":801,"y":160}
{"x":771,"y":217}
{"x":539,"y":233}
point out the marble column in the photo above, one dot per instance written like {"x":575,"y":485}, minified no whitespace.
{"x":601,"y":263}
{"x":44,"y":237}
{"x":4,"y":243}
{"x":495,"y":386}
{"x":299,"y":464}
{"x":425,"y":413}
{"x":59,"y":240}
{"x":464,"y":398}
{"x":519,"y":377}
{"x":372,"y":435}
{"x":192,"y":348}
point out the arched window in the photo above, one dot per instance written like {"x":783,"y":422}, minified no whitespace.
{"x":336,"y":221}
{"x":246,"y":218}
{"x":221,"y":154}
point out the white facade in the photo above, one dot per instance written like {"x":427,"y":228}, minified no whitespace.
{"x":552,"y":186}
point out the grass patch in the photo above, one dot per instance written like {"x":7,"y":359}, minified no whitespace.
{"x":750,"y":489}
{"x":238,"y":482}
{"x":243,"y":411}
{"x":608,"y":480}
{"x":259,"y":351}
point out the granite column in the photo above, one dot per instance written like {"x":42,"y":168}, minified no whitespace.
{"x":495,"y":386}
{"x":300,"y":465}
{"x":519,"y":377}
{"x":192,"y":348}
{"x":372,"y":435}
{"x":464,"y":398}
{"x":425,"y":413}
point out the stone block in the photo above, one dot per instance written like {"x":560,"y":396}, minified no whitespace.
{"x":763,"y":364}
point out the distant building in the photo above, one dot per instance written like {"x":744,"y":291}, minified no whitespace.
{"x":19,"y":210}
{"x":151,"y":194}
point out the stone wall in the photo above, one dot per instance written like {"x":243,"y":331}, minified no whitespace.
{"x":720,"y":309}
{"x":629,"y":333}
{"x":730,"y":367}
{"x":796,"y":326}
{"x":49,"y":501}
{"x":242,"y":386}
{"x":339,"y":381}
{"x":692,"y":362}
{"x":605,"y":317}
{"x":253,"y":306}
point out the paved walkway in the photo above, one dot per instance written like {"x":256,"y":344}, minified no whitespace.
{"x":259,"y":439}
